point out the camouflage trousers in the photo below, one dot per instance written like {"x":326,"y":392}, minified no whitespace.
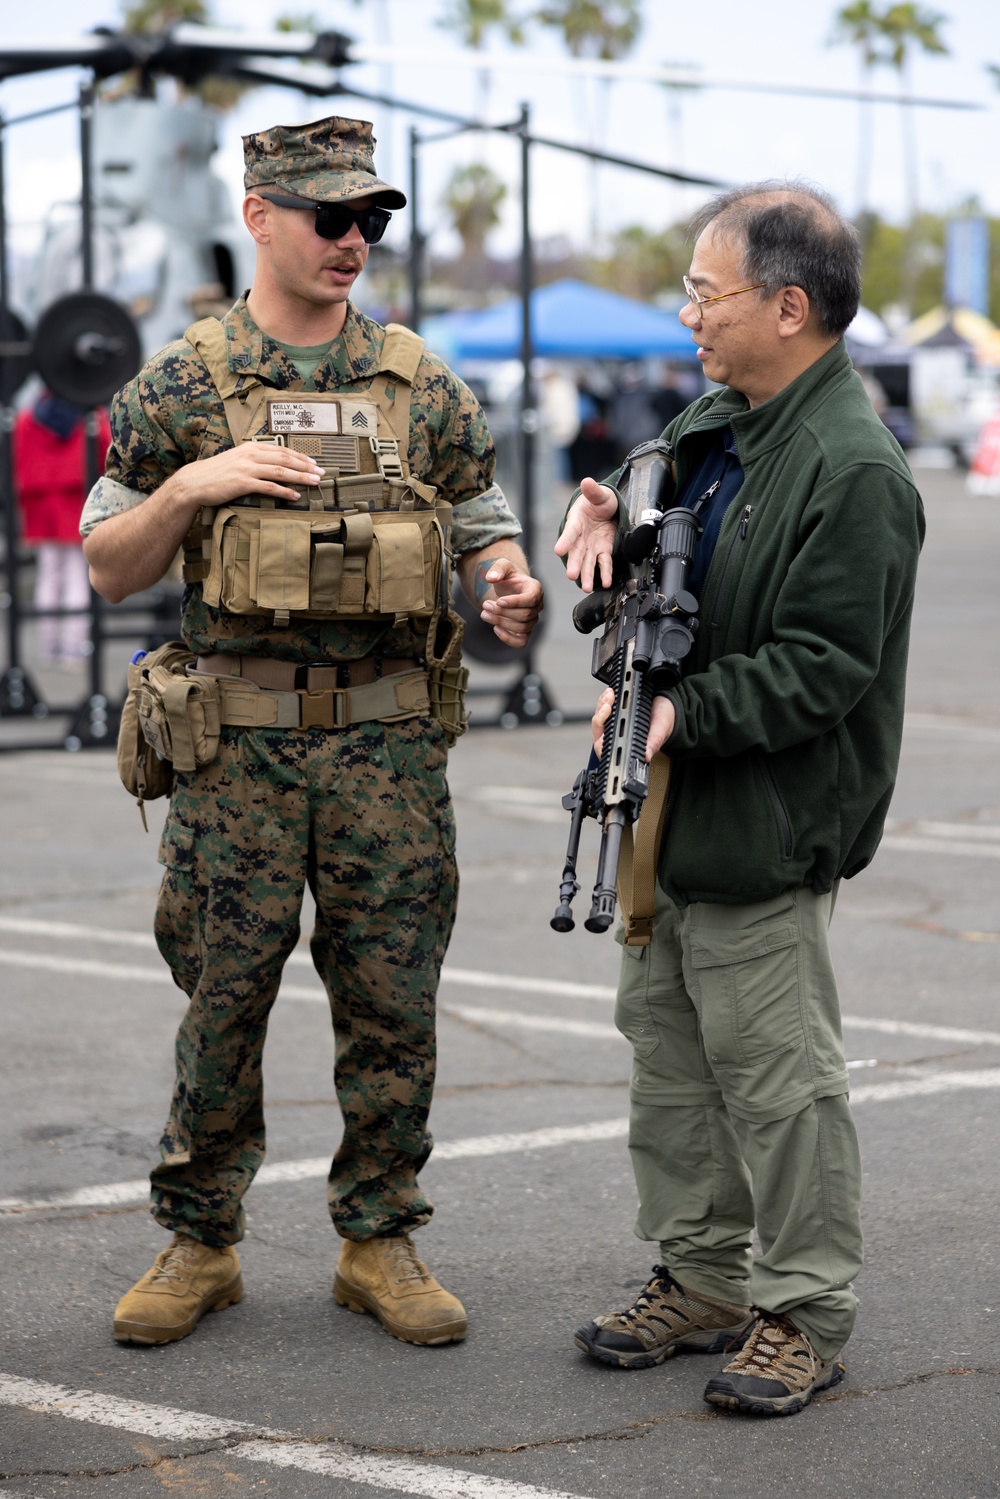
{"x":364,"y":815}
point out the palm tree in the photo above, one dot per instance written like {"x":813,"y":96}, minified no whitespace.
{"x":906,"y":27}
{"x":891,"y":37}
{"x":860,"y":24}
{"x":591,"y":28}
{"x":473,"y":198}
{"x":473,"y":21}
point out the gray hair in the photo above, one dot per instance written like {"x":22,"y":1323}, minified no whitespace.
{"x":792,"y":235}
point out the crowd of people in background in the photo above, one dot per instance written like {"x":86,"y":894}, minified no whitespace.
{"x":595,"y":418}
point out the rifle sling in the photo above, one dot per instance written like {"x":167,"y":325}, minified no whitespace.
{"x":639,"y":858}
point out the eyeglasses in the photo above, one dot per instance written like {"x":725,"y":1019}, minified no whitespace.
{"x":698,"y":301}
{"x":334,"y":220}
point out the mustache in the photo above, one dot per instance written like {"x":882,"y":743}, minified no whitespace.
{"x":345,"y":263}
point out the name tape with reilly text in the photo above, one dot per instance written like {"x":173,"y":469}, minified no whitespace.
{"x":303,"y":415}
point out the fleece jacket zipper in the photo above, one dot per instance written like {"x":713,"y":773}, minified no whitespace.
{"x":741,"y":535}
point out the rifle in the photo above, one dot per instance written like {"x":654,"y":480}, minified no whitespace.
{"x":650,"y":623}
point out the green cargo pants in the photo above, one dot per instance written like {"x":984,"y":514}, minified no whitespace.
{"x":363,"y":814}
{"x":739,"y":1114}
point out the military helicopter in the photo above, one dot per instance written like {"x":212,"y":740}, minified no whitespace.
{"x":167,"y":242}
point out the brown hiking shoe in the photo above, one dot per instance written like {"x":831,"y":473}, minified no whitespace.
{"x":663,"y":1320}
{"x":384,"y":1276}
{"x":187,"y":1280}
{"x":776,"y":1373}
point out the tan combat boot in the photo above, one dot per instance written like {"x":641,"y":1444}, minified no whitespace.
{"x":385,"y":1277}
{"x":187,"y":1280}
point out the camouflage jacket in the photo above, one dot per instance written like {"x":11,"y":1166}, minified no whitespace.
{"x":171,"y":414}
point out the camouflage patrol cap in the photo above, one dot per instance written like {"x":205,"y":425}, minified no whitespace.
{"x":327,"y":161}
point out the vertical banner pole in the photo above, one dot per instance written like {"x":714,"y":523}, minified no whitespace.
{"x":92,"y":725}
{"x":7,"y":455}
{"x":416,"y":244}
{"x":528,"y":702}
{"x":17,"y":695}
{"x":528,"y":414}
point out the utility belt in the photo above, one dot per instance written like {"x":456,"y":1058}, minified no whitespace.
{"x":259,"y":692}
{"x":177,"y":704}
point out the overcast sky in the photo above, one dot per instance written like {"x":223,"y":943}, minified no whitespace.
{"x":722,"y":134}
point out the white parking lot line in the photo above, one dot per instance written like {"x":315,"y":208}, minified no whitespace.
{"x":958,"y":728}
{"x":166,"y":1423}
{"x":132,"y":972}
{"x":122,"y":1194}
{"x":932,"y":1082}
{"x":965,"y":849}
{"x":471,"y":978}
{"x":918,"y":1028}
{"x":514,"y":983}
{"x":391,"y":1472}
{"x":119,"y":1194}
{"x":33,"y":926}
{"x":98,"y":1409}
{"x":91,"y":967}
{"x":976,"y":832}
{"x":480,"y":1015}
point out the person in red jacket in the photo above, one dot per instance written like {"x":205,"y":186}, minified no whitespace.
{"x":49,"y":463}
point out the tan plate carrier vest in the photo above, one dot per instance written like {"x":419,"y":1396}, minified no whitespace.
{"x":371,"y":541}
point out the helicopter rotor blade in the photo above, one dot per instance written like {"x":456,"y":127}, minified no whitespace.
{"x":670,"y":77}
{"x":192,"y":51}
{"x":187,"y":50}
{"x":104,"y":54}
{"x":330,"y":47}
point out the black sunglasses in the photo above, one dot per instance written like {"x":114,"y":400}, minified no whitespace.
{"x":334,"y":220}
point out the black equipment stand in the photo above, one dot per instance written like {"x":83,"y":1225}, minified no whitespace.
{"x":84,"y":348}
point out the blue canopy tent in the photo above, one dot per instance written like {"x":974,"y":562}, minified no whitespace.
{"x":569,"y":320}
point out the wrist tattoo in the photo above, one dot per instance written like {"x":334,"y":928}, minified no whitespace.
{"x":480,"y":587}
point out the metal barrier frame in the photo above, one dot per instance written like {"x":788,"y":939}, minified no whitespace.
{"x":95,"y":719}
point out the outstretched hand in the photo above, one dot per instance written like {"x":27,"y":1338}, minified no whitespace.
{"x":516,"y":603}
{"x":588,"y":538}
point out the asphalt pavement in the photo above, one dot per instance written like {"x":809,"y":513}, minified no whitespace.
{"x":288,"y":1395}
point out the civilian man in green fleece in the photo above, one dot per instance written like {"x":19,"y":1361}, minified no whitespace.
{"x":784,"y":739}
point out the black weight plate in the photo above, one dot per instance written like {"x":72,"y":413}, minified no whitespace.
{"x":86,"y":347}
{"x":14,"y":368}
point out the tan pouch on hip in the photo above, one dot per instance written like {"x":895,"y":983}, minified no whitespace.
{"x":170,"y":721}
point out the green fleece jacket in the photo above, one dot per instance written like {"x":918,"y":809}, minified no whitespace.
{"x":790,"y":714}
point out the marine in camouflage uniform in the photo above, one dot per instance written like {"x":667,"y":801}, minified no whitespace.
{"x":362,"y":813}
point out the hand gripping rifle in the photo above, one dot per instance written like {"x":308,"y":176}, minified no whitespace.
{"x":650,"y":623}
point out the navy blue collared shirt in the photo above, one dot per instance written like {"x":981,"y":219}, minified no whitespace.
{"x":716,"y":481}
